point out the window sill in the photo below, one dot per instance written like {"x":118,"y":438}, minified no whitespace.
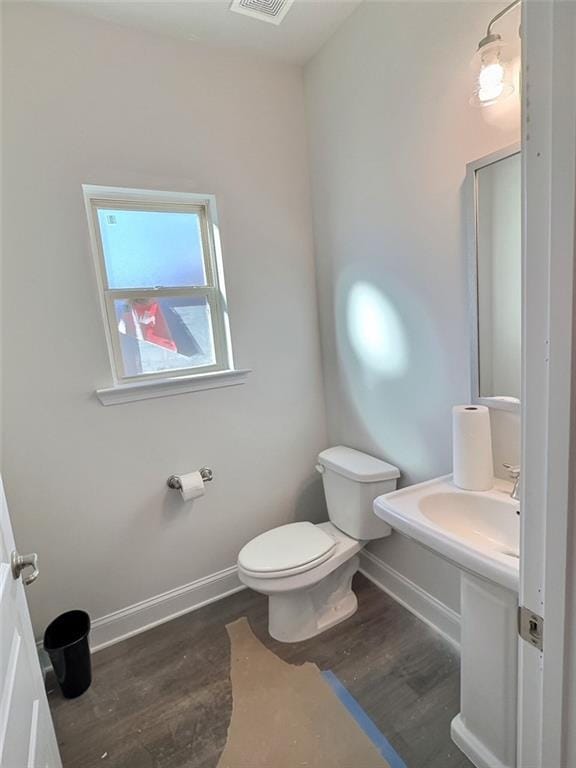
{"x":144,"y":390}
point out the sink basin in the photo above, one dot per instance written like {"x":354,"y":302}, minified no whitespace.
{"x":477,"y":531}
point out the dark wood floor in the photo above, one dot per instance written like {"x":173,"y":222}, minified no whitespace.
{"x":163,"y":699}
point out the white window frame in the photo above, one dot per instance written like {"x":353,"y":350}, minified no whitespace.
{"x":222,"y":372}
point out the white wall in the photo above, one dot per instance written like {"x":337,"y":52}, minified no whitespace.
{"x":391,"y":132}
{"x":89,"y":102}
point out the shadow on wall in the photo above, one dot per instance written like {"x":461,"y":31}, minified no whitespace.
{"x":311,"y":503}
{"x":394,"y":370}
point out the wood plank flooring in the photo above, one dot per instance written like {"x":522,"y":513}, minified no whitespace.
{"x":163,"y":699}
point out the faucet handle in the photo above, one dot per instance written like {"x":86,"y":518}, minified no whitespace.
{"x":513,"y":471}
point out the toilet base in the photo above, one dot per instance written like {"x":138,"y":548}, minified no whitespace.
{"x":305,"y":613}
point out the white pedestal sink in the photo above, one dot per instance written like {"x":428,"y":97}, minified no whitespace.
{"x":479,"y":532}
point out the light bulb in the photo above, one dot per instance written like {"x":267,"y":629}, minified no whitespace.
{"x":491,"y":77}
{"x":491,"y":82}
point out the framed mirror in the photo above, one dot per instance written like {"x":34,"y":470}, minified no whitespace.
{"x":495,"y":255}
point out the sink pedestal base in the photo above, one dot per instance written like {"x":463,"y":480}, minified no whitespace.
{"x":485,"y":729}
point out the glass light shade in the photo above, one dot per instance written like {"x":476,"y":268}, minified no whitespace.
{"x":492,"y":75}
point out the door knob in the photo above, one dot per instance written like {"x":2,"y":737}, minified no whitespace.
{"x":21,"y":562}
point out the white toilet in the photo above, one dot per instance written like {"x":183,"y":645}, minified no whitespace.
{"x":306,"y":569}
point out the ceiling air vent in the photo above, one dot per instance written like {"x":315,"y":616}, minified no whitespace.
{"x":272,"y":11}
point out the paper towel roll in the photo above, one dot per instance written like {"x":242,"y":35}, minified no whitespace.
{"x":472,"y":461}
{"x":192,"y":485}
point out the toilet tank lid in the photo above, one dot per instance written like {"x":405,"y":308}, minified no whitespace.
{"x":356,"y":465}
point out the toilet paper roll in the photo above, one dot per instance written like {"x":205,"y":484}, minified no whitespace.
{"x":192,"y":485}
{"x":472,"y":461}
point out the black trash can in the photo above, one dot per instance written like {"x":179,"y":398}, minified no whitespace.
{"x":66,"y":642}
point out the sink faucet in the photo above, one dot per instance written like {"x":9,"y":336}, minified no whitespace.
{"x":514,"y":474}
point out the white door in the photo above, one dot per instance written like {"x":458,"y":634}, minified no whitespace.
{"x":27,"y":738}
{"x":549,"y":394}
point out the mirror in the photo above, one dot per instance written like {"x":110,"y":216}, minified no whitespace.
{"x":495,"y":271}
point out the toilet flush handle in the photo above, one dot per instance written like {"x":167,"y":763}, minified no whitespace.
{"x":320,"y":468}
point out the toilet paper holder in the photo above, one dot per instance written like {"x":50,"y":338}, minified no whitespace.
{"x":173,"y":481}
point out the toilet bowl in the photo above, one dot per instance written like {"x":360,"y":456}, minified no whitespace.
{"x":305,"y":569}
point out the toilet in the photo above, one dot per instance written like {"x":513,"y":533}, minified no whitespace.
{"x":305,"y":569}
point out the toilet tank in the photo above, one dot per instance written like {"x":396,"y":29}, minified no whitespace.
{"x":352,"y":480}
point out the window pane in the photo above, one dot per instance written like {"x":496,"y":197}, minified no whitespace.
{"x":164,"y":334}
{"x":147,"y":249}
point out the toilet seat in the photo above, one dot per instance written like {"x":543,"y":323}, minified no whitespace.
{"x":286,"y":550}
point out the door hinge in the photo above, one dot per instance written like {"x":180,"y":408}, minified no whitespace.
{"x":531,"y":627}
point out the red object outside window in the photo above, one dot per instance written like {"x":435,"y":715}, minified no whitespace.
{"x":144,"y":320}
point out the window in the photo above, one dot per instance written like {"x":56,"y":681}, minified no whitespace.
{"x":160,"y":276}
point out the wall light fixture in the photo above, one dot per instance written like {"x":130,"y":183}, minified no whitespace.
{"x":492,"y":67}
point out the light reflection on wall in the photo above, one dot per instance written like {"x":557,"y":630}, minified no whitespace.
{"x":375,"y":331}
{"x":389,"y":392}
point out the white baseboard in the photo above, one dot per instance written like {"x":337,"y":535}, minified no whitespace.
{"x":137,"y":618}
{"x":419,"y":602}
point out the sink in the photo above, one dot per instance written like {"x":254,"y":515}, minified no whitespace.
{"x":477,"y":531}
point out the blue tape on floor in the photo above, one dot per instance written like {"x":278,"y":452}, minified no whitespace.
{"x":366,"y":724}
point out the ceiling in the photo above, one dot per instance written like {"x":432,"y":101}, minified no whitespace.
{"x":307,"y":26}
